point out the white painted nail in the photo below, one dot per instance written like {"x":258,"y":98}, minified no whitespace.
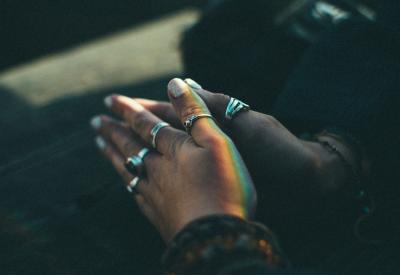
{"x":100,"y":142}
{"x":193,"y":84}
{"x":95,"y":122}
{"x":108,"y":101}
{"x":176,"y":87}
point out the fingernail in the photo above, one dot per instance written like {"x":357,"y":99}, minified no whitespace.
{"x":193,"y":84}
{"x":95,"y":122}
{"x":100,"y":142}
{"x":177,"y":87}
{"x":108,"y":101}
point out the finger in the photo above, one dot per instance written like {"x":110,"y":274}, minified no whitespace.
{"x":146,"y":209}
{"x":119,"y":134}
{"x":216,"y":102}
{"x":118,"y":161}
{"x":142,"y":121}
{"x":115,"y":157}
{"x":188,"y":103}
{"x":241,"y":126}
{"x":163,"y":110}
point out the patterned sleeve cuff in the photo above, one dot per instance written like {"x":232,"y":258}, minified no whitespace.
{"x":217,"y":241}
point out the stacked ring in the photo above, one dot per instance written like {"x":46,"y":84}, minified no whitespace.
{"x":154,"y":131}
{"x":234,"y":107}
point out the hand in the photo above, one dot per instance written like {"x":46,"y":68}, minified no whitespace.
{"x":286,"y":166}
{"x":188,"y":176}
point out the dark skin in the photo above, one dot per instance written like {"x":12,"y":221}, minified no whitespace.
{"x":188,"y":176}
{"x":183,"y":170}
{"x":272,"y":153}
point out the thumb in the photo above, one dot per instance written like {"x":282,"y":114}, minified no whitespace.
{"x":216,"y":102}
{"x":188,"y":104}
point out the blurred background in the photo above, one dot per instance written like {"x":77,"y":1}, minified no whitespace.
{"x":30,"y":29}
{"x":63,"y":210}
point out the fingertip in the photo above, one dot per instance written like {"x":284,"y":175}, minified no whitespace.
{"x":108,"y":101}
{"x":177,"y":87}
{"x":96,"y":122}
{"x":193,"y":84}
{"x":100,"y":143}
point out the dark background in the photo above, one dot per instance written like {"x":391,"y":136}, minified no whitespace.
{"x":29,"y":29}
{"x":62,"y":209}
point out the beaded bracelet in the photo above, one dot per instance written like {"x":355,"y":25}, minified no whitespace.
{"x":354,"y":178}
{"x":219,"y":237}
{"x":366,"y":204}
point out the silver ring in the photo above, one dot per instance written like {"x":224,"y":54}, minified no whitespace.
{"x":132,"y":185}
{"x":234,"y":107}
{"x":143,"y":153}
{"x":135,"y":163}
{"x":154,"y":131}
{"x":188,"y":124}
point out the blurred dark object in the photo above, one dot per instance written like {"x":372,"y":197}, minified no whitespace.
{"x":236,"y":48}
{"x":249,"y":51}
{"x":307,"y":19}
{"x":32,"y":28}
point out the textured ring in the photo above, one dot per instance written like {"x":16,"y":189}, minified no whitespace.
{"x":188,"y":124}
{"x":154,"y":131}
{"x":131,"y":187}
{"x":234,"y":107}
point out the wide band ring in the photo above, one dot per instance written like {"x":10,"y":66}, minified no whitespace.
{"x":188,"y":124}
{"x":131,"y":187}
{"x":154,"y":131}
{"x":234,"y":107}
{"x":135,"y":164}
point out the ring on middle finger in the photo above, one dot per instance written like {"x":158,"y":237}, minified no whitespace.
{"x":135,"y":163}
{"x":235,"y":106}
{"x":154,"y":131}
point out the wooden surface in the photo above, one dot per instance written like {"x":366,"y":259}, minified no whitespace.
{"x":62,"y":208}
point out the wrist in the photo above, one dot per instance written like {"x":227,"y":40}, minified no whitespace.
{"x":196,"y":213}
{"x":330,"y":173}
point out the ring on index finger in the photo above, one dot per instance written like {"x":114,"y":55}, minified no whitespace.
{"x":188,"y":124}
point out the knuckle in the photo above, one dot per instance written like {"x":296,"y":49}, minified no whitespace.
{"x":149,"y":160}
{"x":271,"y":120}
{"x":173,"y":146}
{"x":191,"y":110}
{"x":176,"y":142}
{"x":222,"y":98}
{"x":128,"y":148}
{"x":140,"y":121}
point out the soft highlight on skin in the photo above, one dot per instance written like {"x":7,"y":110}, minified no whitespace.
{"x":230,"y":155}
